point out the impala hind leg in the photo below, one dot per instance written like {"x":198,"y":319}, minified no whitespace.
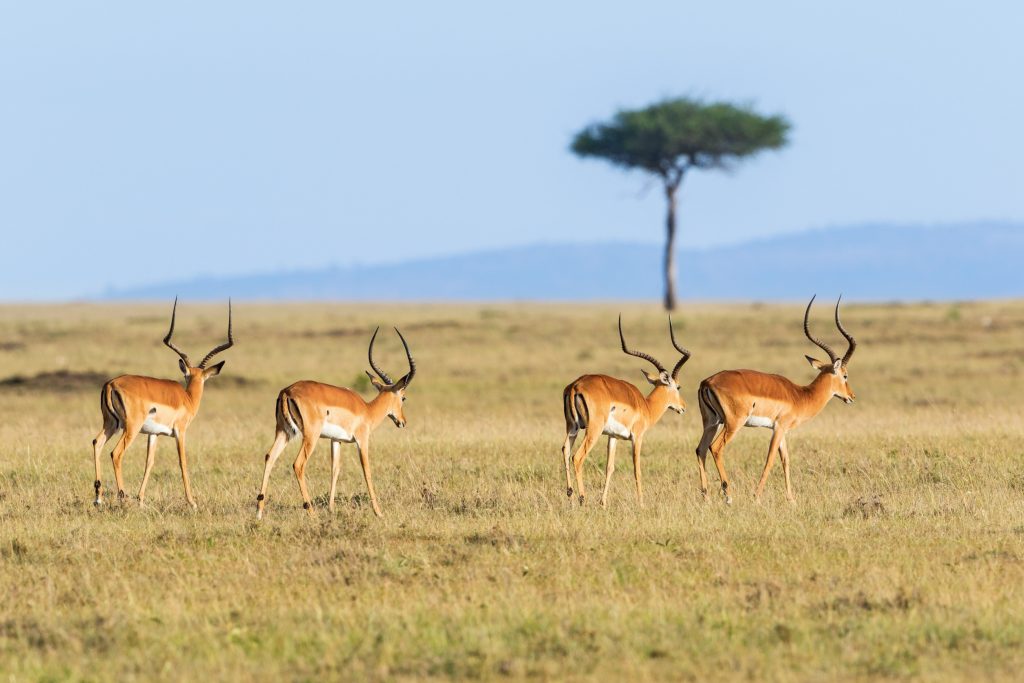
{"x":308,"y":444}
{"x":117,"y":455}
{"x":589,"y":440}
{"x":570,"y":440}
{"x":710,"y":430}
{"x":109,"y":427}
{"x":609,"y":469}
{"x":718,"y":451}
{"x":150,"y":458}
{"x":280,"y":441}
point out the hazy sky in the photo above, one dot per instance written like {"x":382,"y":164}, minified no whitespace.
{"x":140,"y":143}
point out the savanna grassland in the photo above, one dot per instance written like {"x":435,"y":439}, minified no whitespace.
{"x":903,"y":557}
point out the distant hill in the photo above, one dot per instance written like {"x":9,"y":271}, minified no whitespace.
{"x":865,"y":262}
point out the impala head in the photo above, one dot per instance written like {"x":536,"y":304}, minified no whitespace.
{"x":664,"y":378}
{"x":391,"y":392}
{"x":835,"y":369}
{"x":198,"y":373}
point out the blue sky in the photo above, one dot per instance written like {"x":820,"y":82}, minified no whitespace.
{"x":141,"y":143}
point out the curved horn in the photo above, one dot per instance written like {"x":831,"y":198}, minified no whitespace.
{"x":412,"y":364}
{"x":638,"y":354}
{"x":380,"y":373}
{"x":849,"y":337}
{"x":170,"y":333}
{"x":680,"y":349}
{"x":807,"y":330}
{"x":223,"y":347}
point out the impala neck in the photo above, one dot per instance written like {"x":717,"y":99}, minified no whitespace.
{"x":377,"y":409}
{"x":657,"y":402}
{"x":819,"y":393}
{"x":194,"y":393}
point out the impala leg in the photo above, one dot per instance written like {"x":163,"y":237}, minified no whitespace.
{"x":718,"y":452}
{"x":589,"y":440}
{"x":570,"y":439}
{"x":117,"y":455}
{"x":772,"y":448}
{"x":97,"y":451}
{"x":638,"y":443}
{"x":150,"y":458}
{"x":363,"y":445}
{"x":183,"y":462}
{"x":609,"y":469}
{"x":308,"y":444}
{"x":702,"y":456}
{"x":784,"y":457}
{"x":280,"y":441}
{"x":335,"y":470}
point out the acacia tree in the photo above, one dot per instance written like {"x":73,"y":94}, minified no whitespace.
{"x":674,"y":136}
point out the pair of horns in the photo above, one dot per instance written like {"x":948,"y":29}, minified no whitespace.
{"x":404,"y":381}
{"x":202,"y":364}
{"x":833,"y":356}
{"x":651,"y":359}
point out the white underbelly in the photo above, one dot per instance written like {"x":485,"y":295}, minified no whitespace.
{"x":616,"y":429}
{"x":758,"y":421}
{"x":155,"y":428}
{"x":335,"y":433}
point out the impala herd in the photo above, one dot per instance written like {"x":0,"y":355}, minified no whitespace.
{"x":597,"y":404}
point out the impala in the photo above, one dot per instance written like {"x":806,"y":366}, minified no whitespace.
{"x":154,"y":407}
{"x":747,"y":398}
{"x":605,"y":405}
{"x":321,"y":411}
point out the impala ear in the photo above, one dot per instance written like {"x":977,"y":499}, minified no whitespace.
{"x":377,"y":384}
{"x":837,"y":366}
{"x":654,"y":379}
{"x":820,"y":366}
{"x":182,"y":366}
{"x":213,"y":370}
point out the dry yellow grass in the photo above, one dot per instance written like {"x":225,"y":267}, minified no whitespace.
{"x":904,"y":556}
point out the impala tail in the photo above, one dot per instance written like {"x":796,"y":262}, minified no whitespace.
{"x":575,"y":407}
{"x":107,"y":407}
{"x":289,"y":419}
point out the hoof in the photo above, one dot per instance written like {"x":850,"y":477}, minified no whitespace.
{"x":121,"y":495}
{"x":97,"y":503}
{"x":582,"y":499}
{"x":568,"y":492}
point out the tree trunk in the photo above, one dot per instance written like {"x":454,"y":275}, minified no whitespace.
{"x":670,"y":248}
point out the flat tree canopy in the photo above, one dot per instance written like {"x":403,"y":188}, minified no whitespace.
{"x":670,"y":137}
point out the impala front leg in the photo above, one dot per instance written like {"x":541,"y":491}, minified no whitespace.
{"x":638,"y":442}
{"x":609,"y":469}
{"x":335,"y":470}
{"x":363,"y":445}
{"x":179,"y":436}
{"x":150,"y":458}
{"x":784,"y":456}
{"x":772,"y":447}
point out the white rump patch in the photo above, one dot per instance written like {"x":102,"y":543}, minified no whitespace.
{"x":151,"y":427}
{"x":616,"y":429}
{"x":758,"y":421}
{"x":335,"y":433}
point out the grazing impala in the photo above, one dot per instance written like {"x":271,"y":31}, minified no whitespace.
{"x":321,"y":411}
{"x":604,"y":405}
{"x":154,"y":407}
{"x":746,"y":398}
